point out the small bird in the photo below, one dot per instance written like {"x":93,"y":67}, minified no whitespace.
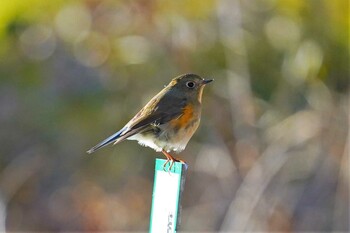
{"x":168,"y":121}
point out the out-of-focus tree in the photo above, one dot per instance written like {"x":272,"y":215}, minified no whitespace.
{"x":272,"y":150}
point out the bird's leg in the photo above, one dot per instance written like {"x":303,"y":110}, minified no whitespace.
{"x":168,"y":159}
{"x":172,"y":160}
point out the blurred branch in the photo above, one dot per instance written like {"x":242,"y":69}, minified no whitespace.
{"x":238,"y":82}
{"x":315,"y":173}
{"x":15,"y":174}
{"x":252,"y":189}
{"x":341,"y":210}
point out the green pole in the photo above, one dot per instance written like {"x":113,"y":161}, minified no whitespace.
{"x":166,"y":199}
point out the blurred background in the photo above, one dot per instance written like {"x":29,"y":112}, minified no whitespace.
{"x":271,"y":153}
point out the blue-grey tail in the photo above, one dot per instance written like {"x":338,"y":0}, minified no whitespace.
{"x":106,"y":142}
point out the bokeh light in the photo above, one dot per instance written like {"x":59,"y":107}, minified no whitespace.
{"x":133,"y":49}
{"x":72,"y":22}
{"x":38,"y":42}
{"x":92,"y":49}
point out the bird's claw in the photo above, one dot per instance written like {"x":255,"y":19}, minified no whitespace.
{"x":172,"y":161}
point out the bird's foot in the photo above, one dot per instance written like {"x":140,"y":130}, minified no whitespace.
{"x":172,"y":160}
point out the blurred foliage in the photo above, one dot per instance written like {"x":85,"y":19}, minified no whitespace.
{"x":272,"y":150}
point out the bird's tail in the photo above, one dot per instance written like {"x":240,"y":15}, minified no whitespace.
{"x":107,"y":141}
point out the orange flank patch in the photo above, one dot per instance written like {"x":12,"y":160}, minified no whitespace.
{"x":185,"y":118}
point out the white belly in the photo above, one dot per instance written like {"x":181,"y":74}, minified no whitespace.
{"x":167,"y":140}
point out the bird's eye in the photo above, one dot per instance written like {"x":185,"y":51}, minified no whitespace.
{"x":190,"y":84}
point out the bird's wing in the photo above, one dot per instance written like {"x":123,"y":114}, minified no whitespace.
{"x":159,"y":110}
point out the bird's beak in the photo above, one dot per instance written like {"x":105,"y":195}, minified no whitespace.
{"x":206,"y":81}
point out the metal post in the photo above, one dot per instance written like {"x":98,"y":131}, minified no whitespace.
{"x":166,"y":200}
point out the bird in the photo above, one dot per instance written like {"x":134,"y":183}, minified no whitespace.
{"x":168,"y":121}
